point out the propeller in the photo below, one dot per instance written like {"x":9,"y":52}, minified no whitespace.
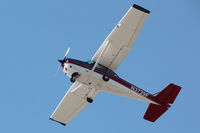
{"x":63,"y":60}
{"x":66,"y":53}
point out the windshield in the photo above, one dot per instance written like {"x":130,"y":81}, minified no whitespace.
{"x":90,"y":62}
{"x":103,"y":68}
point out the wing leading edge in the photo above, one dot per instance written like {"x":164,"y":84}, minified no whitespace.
{"x":122,"y":37}
{"x":72,"y":103}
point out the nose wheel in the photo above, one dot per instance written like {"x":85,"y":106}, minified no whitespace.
{"x":74,"y":77}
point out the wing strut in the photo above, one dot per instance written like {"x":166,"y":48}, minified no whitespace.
{"x":97,"y":61}
{"x":75,"y":89}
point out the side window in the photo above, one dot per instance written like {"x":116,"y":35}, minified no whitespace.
{"x":90,"y":62}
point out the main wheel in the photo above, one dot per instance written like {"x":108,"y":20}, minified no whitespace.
{"x":89,"y":100}
{"x":105,"y":78}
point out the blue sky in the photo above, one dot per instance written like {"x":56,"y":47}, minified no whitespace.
{"x":35,"y":33}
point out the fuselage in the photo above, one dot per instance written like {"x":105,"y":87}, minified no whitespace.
{"x":115,"y":84}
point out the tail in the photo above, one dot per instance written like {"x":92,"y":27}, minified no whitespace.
{"x":164,"y":98}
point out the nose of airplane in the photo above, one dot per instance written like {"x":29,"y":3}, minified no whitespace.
{"x":62,"y":61}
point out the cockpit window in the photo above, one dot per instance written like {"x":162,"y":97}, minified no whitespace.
{"x":102,"y":68}
{"x":90,"y":62}
{"x":107,"y":70}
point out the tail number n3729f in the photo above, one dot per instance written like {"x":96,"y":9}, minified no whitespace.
{"x":139,"y":91}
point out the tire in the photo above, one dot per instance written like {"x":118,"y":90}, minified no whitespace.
{"x":89,"y":100}
{"x":72,"y":79}
{"x":75,"y":75}
{"x":105,"y":78}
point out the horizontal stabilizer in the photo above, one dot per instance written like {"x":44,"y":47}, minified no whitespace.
{"x":154,"y":112}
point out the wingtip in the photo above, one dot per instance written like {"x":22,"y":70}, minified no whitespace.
{"x":141,"y":8}
{"x":58,"y":121}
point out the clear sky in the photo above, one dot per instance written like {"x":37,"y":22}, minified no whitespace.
{"x":35,"y":33}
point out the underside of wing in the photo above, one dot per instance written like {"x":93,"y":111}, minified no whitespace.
{"x":72,"y":103}
{"x":121,"y":39}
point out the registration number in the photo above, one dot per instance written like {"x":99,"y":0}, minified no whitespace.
{"x":139,"y":91}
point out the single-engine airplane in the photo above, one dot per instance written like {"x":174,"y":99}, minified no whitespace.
{"x":98,"y":74}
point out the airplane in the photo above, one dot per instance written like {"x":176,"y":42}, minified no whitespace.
{"x":98,"y":74}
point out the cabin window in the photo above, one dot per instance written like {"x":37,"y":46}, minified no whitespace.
{"x":102,"y":68}
{"x":91,"y":62}
{"x":107,"y":70}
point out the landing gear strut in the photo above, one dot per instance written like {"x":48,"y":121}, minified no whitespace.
{"x":74,"y":76}
{"x":89,"y":100}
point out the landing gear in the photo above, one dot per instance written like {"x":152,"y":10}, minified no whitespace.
{"x":74,"y":77}
{"x":105,"y":78}
{"x":89,"y":100}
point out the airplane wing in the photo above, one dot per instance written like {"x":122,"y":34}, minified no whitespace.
{"x":122,"y":37}
{"x":72,"y":103}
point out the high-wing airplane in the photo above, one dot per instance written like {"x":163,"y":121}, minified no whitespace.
{"x":98,"y":74}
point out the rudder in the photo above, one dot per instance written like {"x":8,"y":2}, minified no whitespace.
{"x":168,"y":95}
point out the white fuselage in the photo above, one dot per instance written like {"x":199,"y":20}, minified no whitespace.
{"x":94,"y":80}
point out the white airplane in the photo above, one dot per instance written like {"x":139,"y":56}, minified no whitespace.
{"x":98,"y":74}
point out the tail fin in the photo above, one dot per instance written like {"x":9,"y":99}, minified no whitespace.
{"x":164,"y":98}
{"x":168,"y":95}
